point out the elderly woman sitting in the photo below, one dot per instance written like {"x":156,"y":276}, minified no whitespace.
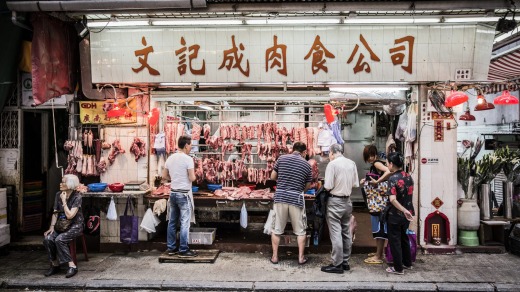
{"x":66,"y":225}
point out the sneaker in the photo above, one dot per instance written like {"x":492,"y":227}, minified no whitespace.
{"x":187,"y":254}
{"x":172,"y":251}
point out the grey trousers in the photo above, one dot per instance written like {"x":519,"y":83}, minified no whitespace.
{"x":339,"y":212}
{"x":57,"y":244}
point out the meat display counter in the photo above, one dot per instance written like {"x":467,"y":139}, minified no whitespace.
{"x":221,"y":210}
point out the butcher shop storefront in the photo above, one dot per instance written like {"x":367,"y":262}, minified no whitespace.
{"x":245,"y":94}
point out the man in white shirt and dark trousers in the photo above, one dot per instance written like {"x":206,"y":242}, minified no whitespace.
{"x":180,"y":168}
{"x":340,"y":177}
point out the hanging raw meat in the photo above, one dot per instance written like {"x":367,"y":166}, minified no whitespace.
{"x":84,"y":164}
{"x":101,"y":167}
{"x":85,"y":138}
{"x":138,"y":148}
{"x":195,"y":132}
{"x":116,"y":149}
{"x":90,"y":139}
{"x":207,"y":131}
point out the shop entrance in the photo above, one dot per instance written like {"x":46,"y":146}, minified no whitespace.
{"x":40,"y":174}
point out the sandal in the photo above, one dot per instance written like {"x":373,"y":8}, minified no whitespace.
{"x":373,"y":261}
{"x":305,"y":260}
{"x":273,"y":262}
{"x":372,"y":254}
{"x":391,"y":270}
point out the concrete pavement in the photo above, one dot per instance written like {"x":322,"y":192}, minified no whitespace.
{"x":22,"y":270}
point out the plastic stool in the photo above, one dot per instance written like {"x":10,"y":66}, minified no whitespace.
{"x":72,"y":248}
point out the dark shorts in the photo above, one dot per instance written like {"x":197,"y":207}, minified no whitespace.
{"x":378,"y":228}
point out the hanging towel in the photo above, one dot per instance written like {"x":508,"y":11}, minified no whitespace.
{"x":160,"y":206}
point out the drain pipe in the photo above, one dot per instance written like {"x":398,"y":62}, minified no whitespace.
{"x":14,"y":19}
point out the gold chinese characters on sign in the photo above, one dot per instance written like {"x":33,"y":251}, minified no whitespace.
{"x":92,"y":112}
{"x":276,"y":56}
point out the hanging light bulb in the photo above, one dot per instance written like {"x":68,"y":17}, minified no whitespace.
{"x":467,"y":116}
{"x":482,"y":104}
{"x":505,"y":99}
{"x":455,"y":98}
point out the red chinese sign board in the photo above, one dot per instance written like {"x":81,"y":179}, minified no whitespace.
{"x":437,"y":203}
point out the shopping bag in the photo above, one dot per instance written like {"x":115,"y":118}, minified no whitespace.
{"x":112,"y":213}
{"x":353,"y":227}
{"x":377,"y":197}
{"x":243,"y":216}
{"x":148,"y":223}
{"x":129,"y":225}
{"x":268,"y":226}
{"x":412,"y":237}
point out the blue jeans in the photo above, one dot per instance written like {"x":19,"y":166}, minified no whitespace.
{"x":179,"y":205}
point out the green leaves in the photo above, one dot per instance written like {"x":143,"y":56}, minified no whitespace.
{"x":463,"y":173}
{"x":510,"y":160}
{"x":487,"y":168}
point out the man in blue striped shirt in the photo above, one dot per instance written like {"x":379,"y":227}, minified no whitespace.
{"x":293,"y":176}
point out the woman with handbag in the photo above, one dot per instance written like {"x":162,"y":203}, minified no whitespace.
{"x":66,"y":225}
{"x":375,"y":187}
{"x":400,"y":213}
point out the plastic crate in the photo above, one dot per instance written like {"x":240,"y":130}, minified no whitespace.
{"x":203,"y":236}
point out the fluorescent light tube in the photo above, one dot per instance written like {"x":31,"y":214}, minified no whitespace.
{"x":379,"y":20}
{"x":295,"y":21}
{"x":118,"y":23}
{"x":173,"y":22}
{"x":369,"y":89}
{"x":470,"y":19}
{"x":174,"y":84}
{"x":206,"y":107}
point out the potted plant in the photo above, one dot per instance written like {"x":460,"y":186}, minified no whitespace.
{"x":486,"y":170}
{"x":468,"y":215}
{"x":511,"y":166}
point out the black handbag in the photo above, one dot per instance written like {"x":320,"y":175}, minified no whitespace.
{"x":62,"y":224}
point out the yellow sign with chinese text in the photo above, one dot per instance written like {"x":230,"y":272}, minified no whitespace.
{"x":95,"y":112}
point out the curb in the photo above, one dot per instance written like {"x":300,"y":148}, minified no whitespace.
{"x":254,"y":286}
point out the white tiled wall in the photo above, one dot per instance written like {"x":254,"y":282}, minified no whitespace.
{"x":125,"y":168}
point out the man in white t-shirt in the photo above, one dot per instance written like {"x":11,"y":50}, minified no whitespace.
{"x":180,"y":169}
